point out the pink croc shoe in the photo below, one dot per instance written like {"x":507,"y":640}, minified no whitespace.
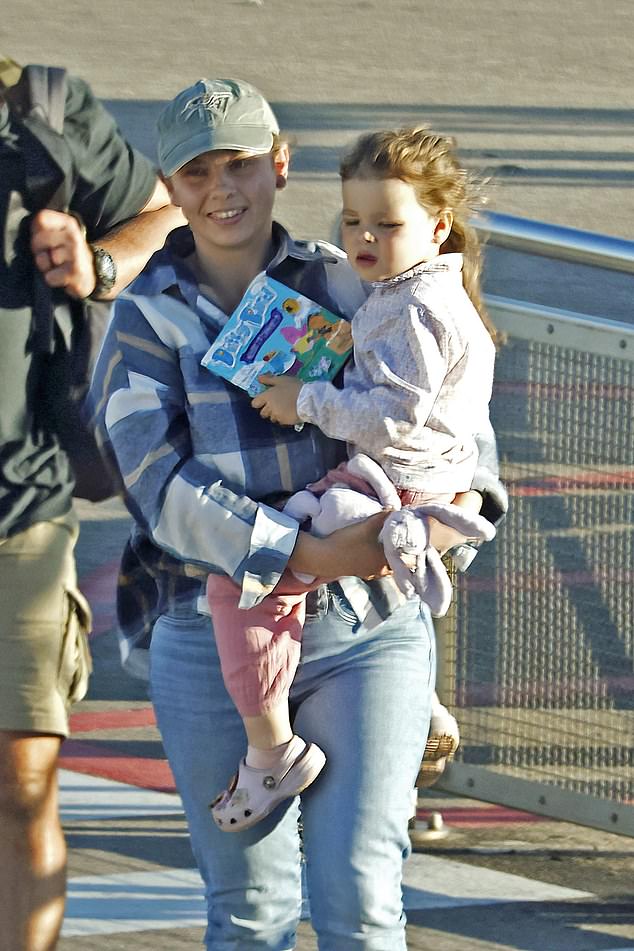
{"x":254,"y":793}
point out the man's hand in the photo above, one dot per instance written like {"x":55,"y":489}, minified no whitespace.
{"x":62,"y":253}
{"x":279,"y":402}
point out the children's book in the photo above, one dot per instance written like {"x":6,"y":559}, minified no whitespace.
{"x":274,"y":329}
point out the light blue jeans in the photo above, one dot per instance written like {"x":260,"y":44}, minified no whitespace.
{"x":365,"y":699}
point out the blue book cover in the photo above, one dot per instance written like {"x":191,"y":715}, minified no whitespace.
{"x":274,"y":329}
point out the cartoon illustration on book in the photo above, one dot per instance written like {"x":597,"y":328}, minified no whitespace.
{"x":274,"y":329}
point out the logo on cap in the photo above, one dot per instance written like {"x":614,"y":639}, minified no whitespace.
{"x":210,"y":106}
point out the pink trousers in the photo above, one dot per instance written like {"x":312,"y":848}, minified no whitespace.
{"x":259,"y":649}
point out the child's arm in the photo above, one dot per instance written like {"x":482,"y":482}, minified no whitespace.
{"x":391,"y":388}
{"x":401,"y":357}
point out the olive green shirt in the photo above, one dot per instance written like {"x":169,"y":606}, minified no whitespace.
{"x":111,"y":183}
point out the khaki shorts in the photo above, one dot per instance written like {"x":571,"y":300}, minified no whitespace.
{"x":44,"y":623}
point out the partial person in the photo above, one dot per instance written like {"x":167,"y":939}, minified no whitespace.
{"x":204,"y":475}
{"x":414,"y":395}
{"x":119,"y":213}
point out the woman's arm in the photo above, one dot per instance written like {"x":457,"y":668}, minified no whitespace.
{"x":141,"y":412}
{"x":351,"y":551}
{"x":487,"y":492}
{"x":486,"y":480}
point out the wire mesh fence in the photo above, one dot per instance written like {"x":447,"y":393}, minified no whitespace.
{"x":539,"y":661}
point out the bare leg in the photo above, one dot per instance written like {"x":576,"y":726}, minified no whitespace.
{"x":269,"y":729}
{"x":32,"y":846}
{"x":278,"y":765}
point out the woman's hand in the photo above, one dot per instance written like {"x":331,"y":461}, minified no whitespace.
{"x":442,"y":537}
{"x":279,"y":402}
{"x":354,"y":550}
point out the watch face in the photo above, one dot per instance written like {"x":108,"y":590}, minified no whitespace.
{"x":105,"y":269}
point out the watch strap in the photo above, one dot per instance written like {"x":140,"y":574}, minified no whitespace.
{"x":105,"y":271}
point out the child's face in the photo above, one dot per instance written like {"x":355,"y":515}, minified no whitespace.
{"x":385,"y":230}
{"x":227,"y":197}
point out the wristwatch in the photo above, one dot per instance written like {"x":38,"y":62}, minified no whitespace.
{"x":105,"y":271}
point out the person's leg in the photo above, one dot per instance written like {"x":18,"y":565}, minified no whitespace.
{"x":258,"y":650}
{"x":44,"y":667}
{"x":252,"y":879}
{"x":32,"y":846}
{"x":369,"y":707}
{"x":259,"y":653}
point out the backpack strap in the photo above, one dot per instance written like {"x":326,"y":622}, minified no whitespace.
{"x":44,"y":90}
{"x":37,"y":91}
{"x":37,"y":98}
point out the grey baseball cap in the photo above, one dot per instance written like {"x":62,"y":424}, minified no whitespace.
{"x":210,"y":115}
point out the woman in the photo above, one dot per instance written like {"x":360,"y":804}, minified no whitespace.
{"x":203,"y":474}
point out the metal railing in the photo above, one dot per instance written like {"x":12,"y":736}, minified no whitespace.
{"x":554,"y":241}
{"x":538,"y":654}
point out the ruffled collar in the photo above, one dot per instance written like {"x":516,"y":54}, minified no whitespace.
{"x":444,"y":262}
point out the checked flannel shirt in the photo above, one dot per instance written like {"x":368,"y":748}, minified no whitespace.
{"x":203,"y":472}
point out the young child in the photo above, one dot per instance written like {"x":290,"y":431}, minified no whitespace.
{"x":413,"y":397}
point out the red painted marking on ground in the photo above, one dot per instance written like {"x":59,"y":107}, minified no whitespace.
{"x":99,"y":587}
{"x":98,"y":760}
{"x":111,"y":720}
{"x":479,"y":815}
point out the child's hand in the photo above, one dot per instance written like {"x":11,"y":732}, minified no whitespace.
{"x":279,"y":402}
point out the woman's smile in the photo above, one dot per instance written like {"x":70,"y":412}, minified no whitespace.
{"x":228,"y":216}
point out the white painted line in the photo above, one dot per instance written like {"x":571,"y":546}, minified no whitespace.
{"x":133,"y":901}
{"x":90,"y":797}
{"x":141,"y":901}
{"x":434,"y":882}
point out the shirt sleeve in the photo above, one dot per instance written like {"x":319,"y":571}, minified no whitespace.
{"x":486,"y":479}
{"x":113,"y":180}
{"x":138,"y":405}
{"x":389,"y":392}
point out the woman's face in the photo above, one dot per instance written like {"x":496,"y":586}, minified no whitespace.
{"x":228,"y":196}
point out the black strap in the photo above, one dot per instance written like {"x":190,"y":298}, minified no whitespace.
{"x":38,"y":99}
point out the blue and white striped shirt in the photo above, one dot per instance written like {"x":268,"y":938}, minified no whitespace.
{"x":203,"y":472}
